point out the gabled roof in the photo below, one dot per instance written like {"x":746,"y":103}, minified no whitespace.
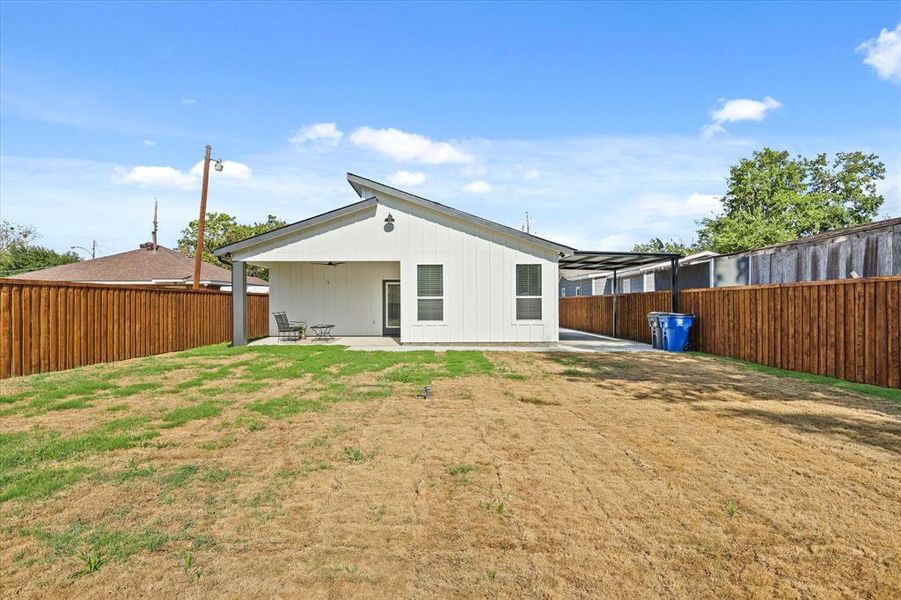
{"x":360,"y":184}
{"x":141,"y":265}
{"x":325,"y":217}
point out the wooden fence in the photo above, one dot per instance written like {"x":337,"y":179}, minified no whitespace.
{"x":849,"y":329}
{"x":51,"y":326}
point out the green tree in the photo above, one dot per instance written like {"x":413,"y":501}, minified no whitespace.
{"x":19,"y":255}
{"x":13,"y":234}
{"x":658,"y":246}
{"x":221,"y":229}
{"x":772,"y":197}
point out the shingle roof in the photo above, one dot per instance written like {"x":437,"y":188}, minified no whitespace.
{"x":141,"y":265}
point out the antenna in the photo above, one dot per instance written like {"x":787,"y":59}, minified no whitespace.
{"x":527,"y":225}
{"x":153,"y":233}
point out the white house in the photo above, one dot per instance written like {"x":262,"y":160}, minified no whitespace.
{"x":397,"y":264}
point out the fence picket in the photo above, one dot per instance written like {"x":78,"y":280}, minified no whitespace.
{"x":52,"y":326}
{"x":849,"y":329}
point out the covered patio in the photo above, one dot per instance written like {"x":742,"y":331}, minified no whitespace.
{"x":359,"y":298}
{"x":599,"y":263}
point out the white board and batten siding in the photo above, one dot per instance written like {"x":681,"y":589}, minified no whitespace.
{"x":479,"y":265}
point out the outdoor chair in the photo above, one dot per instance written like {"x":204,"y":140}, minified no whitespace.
{"x":289,"y":330}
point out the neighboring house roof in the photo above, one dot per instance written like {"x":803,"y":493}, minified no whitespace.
{"x":360,"y":184}
{"x":138,"y":266}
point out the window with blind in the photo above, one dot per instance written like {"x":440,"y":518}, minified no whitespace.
{"x":528,"y":292}
{"x":430,"y":292}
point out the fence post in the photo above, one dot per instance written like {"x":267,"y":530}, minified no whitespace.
{"x":674,"y":285}
{"x":614,"y":302}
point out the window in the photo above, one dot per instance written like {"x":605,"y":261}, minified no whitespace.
{"x":528,"y":292}
{"x":430,"y":292}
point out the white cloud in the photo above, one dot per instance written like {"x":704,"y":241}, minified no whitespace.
{"x":740,"y":109}
{"x":316,"y":132}
{"x":147,"y":176}
{"x":407,"y":178}
{"x":883,"y":53}
{"x":409,"y":147}
{"x":188,"y":101}
{"x":149,"y":143}
{"x":670,"y":205}
{"x":477,"y":187}
{"x":532,"y":174}
{"x":153,"y":176}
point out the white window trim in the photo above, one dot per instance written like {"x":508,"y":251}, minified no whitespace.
{"x":541,"y":297}
{"x":443,"y":320}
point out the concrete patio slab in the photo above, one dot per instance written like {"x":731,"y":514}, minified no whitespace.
{"x":570,"y":341}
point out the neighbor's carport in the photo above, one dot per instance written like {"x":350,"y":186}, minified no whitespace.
{"x":601,"y":263}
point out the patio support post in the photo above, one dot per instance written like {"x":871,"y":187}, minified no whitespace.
{"x":674,"y":285}
{"x":614,"y":302}
{"x":239,"y":303}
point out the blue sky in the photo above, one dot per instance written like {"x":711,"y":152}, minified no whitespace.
{"x":609,"y":123}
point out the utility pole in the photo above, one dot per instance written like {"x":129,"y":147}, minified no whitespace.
{"x":93,"y":249}
{"x":153,"y":233}
{"x":198,"y":256}
{"x":527,"y":225}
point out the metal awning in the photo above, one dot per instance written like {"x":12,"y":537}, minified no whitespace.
{"x":586,"y":260}
{"x":589,"y":262}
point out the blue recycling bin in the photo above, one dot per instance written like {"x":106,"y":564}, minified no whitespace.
{"x":656,"y":332}
{"x":675,"y":328}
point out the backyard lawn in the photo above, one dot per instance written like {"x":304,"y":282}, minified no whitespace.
{"x":316,"y":471}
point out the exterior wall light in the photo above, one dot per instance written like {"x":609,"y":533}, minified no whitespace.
{"x":389,"y":223}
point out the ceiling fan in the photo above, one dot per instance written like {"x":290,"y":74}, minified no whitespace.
{"x":330,"y":263}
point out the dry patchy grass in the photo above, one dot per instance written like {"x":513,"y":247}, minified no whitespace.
{"x":314,"y":471}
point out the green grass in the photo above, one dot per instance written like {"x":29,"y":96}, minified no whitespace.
{"x":179,"y":476}
{"x":23,"y":454}
{"x":203,"y":410}
{"x":28,"y":449}
{"x":860,"y":388}
{"x":354,"y":454}
{"x":497,"y":503}
{"x":38,"y":462}
{"x":461,"y":471}
{"x":93,"y":547}
{"x":133,"y":470}
{"x":40,"y":483}
{"x":285,"y":406}
{"x":261,"y":364}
